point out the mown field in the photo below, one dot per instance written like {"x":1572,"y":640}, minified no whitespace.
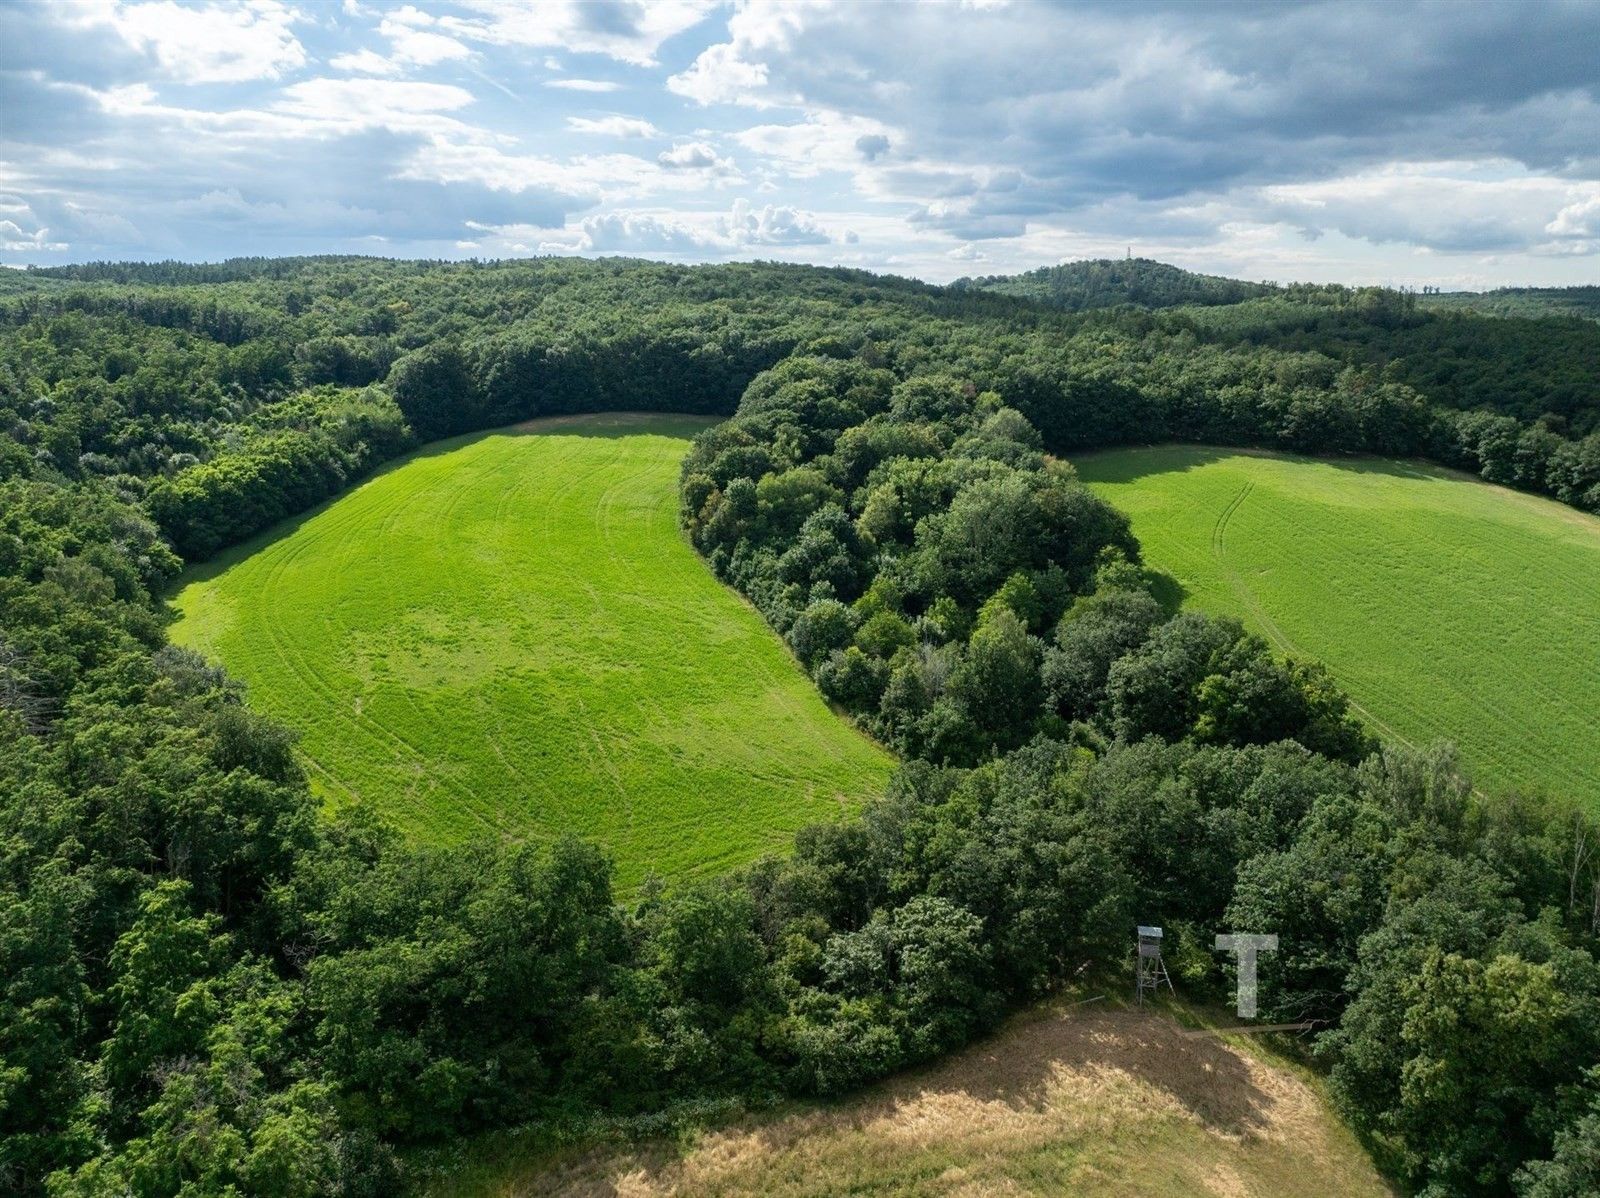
{"x":1083,"y":1101}
{"x":1446,"y":607}
{"x":507,"y":634}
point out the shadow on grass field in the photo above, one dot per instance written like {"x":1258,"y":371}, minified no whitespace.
{"x":606,"y":426}
{"x":1086,"y":1100}
{"x":1131,"y":463}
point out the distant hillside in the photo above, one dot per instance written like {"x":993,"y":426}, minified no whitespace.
{"x":1107,"y":282}
{"x":1581,"y":302}
{"x":13,"y":281}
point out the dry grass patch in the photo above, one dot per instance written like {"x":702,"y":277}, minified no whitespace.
{"x":1087,"y":1101}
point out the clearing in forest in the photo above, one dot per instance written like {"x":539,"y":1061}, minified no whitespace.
{"x":1084,"y":1101}
{"x":506,"y":633}
{"x":1445,"y":607}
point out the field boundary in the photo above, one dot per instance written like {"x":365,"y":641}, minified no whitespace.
{"x":1445,"y":607}
{"x":510,"y":634}
{"x":1275,"y":634}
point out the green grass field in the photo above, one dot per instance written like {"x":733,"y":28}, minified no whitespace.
{"x":507,"y":634}
{"x":1447,"y":608}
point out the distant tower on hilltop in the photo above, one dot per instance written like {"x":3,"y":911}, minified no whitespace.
{"x":1152,"y":973}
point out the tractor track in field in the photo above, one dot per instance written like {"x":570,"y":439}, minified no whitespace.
{"x":1275,"y":634}
{"x":510,"y":636}
{"x":1454,"y":609}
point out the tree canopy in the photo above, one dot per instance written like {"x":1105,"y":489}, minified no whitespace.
{"x":207,"y":985}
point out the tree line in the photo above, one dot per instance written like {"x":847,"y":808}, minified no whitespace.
{"x":135,"y":373}
{"x":206,"y":983}
{"x":209,"y":984}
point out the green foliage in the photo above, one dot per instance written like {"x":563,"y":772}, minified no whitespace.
{"x":1107,"y":282}
{"x":1532,"y":302}
{"x":997,"y":685}
{"x":462,"y":978}
{"x":1488,"y":1045}
{"x":206,"y":986}
{"x":280,"y":472}
{"x":1097,"y":630}
{"x":885,"y":634}
{"x":508,"y":632}
{"x":436,"y":393}
{"x":1321,"y":894}
{"x":1362,"y":565}
{"x":853,"y":678}
{"x":1574,"y":1167}
{"x":823,"y":627}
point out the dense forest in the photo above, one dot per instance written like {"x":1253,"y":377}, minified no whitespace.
{"x":205,"y":982}
{"x":1145,"y":283}
{"x":1521,"y":301}
{"x":102,"y":374}
{"x":1106,"y":283}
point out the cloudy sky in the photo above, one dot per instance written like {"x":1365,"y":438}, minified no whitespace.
{"x":1449,"y":143}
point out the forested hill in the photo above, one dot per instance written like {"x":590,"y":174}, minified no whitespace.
{"x":1145,"y":283}
{"x":1532,"y":302}
{"x":227,"y":396}
{"x":208,"y":987}
{"x":1107,"y":282}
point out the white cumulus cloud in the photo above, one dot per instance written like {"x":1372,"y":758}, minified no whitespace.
{"x":16,"y":239}
{"x":772,"y":224}
{"x":613,"y":126}
{"x":365,"y":62}
{"x":209,"y":43}
{"x":695,"y":156}
{"x":408,"y":30}
{"x":584,"y":85}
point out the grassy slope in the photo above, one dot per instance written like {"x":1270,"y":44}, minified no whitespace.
{"x":507,"y":633}
{"x":1445,"y":607}
{"x":1091,"y":1101}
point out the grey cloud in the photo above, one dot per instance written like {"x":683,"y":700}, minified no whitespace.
{"x":970,"y":226}
{"x":1089,"y":103}
{"x":694,"y":156}
{"x":619,"y":18}
{"x":257,"y":197}
{"x":1159,"y":120}
{"x":872,"y":146}
{"x":688,"y":158}
{"x":31,"y":36}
